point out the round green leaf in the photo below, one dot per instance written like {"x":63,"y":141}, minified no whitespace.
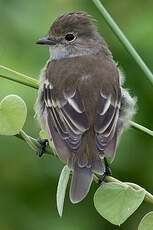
{"x":116,"y":202}
{"x":146,"y":222}
{"x":13,"y":114}
{"x":61,"y":188}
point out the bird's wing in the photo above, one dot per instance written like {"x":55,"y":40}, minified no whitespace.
{"x":106,"y":123}
{"x":67,"y":120}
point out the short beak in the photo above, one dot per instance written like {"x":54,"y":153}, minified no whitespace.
{"x":46,"y":41}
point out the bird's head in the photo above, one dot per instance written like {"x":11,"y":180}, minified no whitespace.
{"x":72,"y":34}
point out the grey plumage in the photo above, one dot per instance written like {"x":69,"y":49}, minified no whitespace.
{"x":81,"y":103}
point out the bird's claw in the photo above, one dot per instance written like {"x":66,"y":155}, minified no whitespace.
{"x":42,"y":142}
{"x":107,"y":172}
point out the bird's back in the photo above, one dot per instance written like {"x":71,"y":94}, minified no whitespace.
{"x":72,"y":100}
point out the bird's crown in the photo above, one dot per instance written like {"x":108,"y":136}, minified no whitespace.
{"x":72,"y":22}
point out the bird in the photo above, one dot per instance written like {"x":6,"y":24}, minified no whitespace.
{"x":81,"y":104}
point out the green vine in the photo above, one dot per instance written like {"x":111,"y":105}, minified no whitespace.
{"x":31,"y":82}
{"x":34,"y":144}
{"x":119,"y":34}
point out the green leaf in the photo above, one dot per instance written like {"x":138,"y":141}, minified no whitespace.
{"x":116,"y":202}
{"x":42,"y":134}
{"x":13,"y":114}
{"x":61,"y":188}
{"x":146,"y":222}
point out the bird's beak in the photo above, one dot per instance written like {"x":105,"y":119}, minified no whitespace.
{"x":46,"y":41}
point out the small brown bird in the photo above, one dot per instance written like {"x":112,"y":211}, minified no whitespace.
{"x":81,"y":104}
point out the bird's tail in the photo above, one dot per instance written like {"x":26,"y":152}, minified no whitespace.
{"x":80,"y":185}
{"x":82,"y":178}
{"x":83,"y":164}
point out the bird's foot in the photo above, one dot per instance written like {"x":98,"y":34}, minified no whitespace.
{"x":42,"y":142}
{"x":107,"y":172}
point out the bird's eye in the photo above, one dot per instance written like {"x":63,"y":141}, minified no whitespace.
{"x":69,"y":37}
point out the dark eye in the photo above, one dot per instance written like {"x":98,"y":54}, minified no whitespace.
{"x":69,"y":37}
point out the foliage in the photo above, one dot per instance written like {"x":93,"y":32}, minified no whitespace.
{"x":13,"y":112}
{"x":26,"y":95}
{"x":147,"y":222}
{"x":115,"y":201}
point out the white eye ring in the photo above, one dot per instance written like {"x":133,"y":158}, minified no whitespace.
{"x":70,"y":37}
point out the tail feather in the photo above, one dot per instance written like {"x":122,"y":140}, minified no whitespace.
{"x":97,"y":165}
{"x":111,"y":148}
{"x":80,"y":185}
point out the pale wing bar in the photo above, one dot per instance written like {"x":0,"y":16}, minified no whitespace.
{"x":106,"y":122}
{"x":67,"y":116}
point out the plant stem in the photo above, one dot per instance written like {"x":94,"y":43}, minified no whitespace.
{"x":148,"y":196}
{"x":33,"y":143}
{"x":25,"y":77}
{"x":34,"y":86}
{"x":115,"y":28}
{"x":141,"y":128}
{"x":29,"y":140}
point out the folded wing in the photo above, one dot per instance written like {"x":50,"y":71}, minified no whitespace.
{"x":67,"y":119}
{"x":106,"y":123}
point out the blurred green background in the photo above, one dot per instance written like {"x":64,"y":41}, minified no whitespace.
{"x":28,"y":183}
